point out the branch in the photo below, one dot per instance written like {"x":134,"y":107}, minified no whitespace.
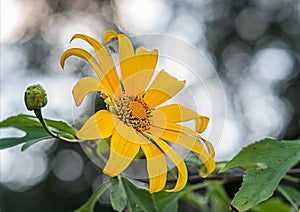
{"x":197,"y":179}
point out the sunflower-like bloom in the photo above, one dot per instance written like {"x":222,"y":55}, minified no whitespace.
{"x":133,"y":119}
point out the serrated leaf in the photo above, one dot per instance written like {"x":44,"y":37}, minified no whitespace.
{"x":33,"y":129}
{"x":259,"y":184}
{"x":138,"y":199}
{"x":90,"y":204}
{"x":117,"y":194}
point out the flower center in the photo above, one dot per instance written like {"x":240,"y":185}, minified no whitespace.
{"x":134,"y":112}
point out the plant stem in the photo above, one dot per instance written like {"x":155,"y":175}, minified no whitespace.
{"x":197,"y":179}
{"x":90,"y":204}
{"x":39,"y":115}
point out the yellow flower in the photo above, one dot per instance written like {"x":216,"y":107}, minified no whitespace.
{"x":133,"y":119}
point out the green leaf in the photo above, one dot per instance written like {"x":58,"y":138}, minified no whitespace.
{"x":193,"y":160}
{"x":197,"y":200}
{"x":62,"y":126}
{"x":33,"y":135}
{"x":33,"y":129}
{"x":291,"y":194}
{"x":28,"y":120}
{"x":21,"y":119}
{"x":166,"y":201}
{"x":117,"y":194}
{"x":138,"y":199}
{"x":218,"y":197}
{"x":260,"y":181}
{"x":90,"y":204}
{"x":273,"y":204}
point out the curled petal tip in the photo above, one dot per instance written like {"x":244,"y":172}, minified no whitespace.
{"x":109,"y":35}
{"x":62,"y":63}
{"x":74,"y":37}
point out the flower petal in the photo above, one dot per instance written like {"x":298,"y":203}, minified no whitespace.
{"x":161,"y":120}
{"x":122,"y":152}
{"x":184,"y":129}
{"x":162,"y":88}
{"x":105,"y":60}
{"x":180,"y":113}
{"x":209,"y":146}
{"x":84,"y":55}
{"x":139,"y":76}
{"x":129,"y":133}
{"x":201,"y":123}
{"x":156,"y":166}
{"x":100,"y":125}
{"x":83,"y":87}
{"x":178,"y":161}
{"x":126,"y":52}
{"x":186,"y":141}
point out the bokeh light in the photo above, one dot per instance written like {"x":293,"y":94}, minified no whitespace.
{"x":68,"y":165}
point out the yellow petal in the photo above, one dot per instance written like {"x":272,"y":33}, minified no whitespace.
{"x":156,"y":166}
{"x":180,"y":113}
{"x":209,"y":146}
{"x":126,"y":52}
{"x":128,"y":133}
{"x":178,"y":137}
{"x":162,"y":88}
{"x":122,"y":152}
{"x":137,"y":83}
{"x":84,"y":55}
{"x":105,"y":60}
{"x":100,"y":125}
{"x":83,"y":87}
{"x":136,"y":79}
{"x":184,"y":129}
{"x":178,"y":161}
{"x":94,"y":43}
{"x":109,"y":35}
{"x":158,"y":119}
{"x":201,"y":123}
{"x":180,"y":128}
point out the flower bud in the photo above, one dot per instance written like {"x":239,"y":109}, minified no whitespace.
{"x":35,"y":97}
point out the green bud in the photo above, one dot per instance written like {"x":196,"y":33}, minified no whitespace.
{"x":35,"y":97}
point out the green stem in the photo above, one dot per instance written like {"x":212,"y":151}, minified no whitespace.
{"x":90,"y":204}
{"x":39,"y":115}
{"x":197,"y":186}
{"x":291,"y":179}
{"x":287,"y":197}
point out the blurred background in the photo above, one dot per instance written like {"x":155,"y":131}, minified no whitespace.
{"x":252,"y":45}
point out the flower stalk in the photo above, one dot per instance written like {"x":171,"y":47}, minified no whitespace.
{"x":63,"y":137}
{"x":36,"y":98}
